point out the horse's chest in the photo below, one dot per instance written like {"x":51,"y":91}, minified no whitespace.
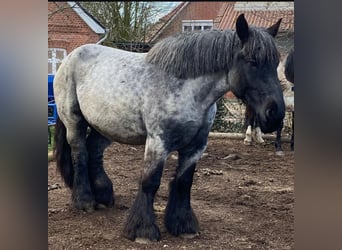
{"x":177,"y":133}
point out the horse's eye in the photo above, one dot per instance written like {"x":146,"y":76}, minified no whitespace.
{"x":252,"y":62}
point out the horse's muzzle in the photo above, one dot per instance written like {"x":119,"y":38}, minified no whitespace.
{"x":273,"y":116}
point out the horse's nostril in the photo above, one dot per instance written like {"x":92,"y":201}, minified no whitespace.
{"x":270,"y":113}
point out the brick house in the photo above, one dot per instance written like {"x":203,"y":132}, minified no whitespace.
{"x":187,"y":16}
{"x":262,"y":14}
{"x":69,"y":26}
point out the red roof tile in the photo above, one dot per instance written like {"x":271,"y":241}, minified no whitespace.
{"x":156,"y":28}
{"x":172,"y":13}
{"x":263,"y":18}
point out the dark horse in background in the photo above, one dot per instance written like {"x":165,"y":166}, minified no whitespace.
{"x":286,"y":77}
{"x":165,"y":99}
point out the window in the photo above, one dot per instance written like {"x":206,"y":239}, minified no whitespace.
{"x":187,"y":28}
{"x":196,"y":25}
{"x":55,"y":58}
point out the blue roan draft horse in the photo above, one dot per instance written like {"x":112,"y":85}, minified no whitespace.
{"x":164,"y":99}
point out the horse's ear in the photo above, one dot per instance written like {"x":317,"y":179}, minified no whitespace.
{"x":273,"y":30}
{"x":242,"y":29}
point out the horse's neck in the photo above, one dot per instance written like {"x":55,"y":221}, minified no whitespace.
{"x":209,"y":88}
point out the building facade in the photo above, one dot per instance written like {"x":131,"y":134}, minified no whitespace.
{"x":69,"y":26}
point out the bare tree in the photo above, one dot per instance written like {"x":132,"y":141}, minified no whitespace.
{"x":125,"y":21}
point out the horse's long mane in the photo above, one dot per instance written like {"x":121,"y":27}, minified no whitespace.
{"x":192,"y":54}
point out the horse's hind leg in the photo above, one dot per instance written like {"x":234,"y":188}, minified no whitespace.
{"x":101,"y":185}
{"x":179,"y":216}
{"x":141,"y":219}
{"x":82,"y":195}
{"x":248,"y":136}
{"x":258,"y":135}
{"x":249,"y":121}
{"x":292,"y":136}
{"x":279,"y":150}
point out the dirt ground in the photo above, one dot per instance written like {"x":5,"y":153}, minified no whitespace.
{"x":244,"y":203}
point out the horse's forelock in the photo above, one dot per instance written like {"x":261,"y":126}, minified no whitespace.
{"x":261,"y":47}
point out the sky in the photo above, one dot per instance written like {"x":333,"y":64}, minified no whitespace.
{"x":165,"y":8}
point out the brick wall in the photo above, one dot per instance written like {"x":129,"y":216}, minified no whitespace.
{"x":66,"y":29}
{"x":193,"y":11}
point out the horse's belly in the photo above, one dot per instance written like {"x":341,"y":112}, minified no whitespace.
{"x":129,"y":134}
{"x":128,"y":138}
{"x":117,"y":125}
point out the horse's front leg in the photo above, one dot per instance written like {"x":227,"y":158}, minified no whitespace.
{"x":179,"y":216}
{"x":141,"y":224}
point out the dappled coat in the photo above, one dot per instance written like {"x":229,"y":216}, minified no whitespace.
{"x":287,"y":87}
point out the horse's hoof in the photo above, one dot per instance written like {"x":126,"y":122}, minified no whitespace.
{"x":143,"y":240}
{"x":189,"y":236}
{"x":279,"y":153}
{"x":248,"y":143}
{"x":88,"y":208}
{"x":102,"y":203}
{"x":100,"y":206}
{"x":181,"y":223}
{"x":144,"y":235}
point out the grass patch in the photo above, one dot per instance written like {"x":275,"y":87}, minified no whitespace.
{"x":51,"y":143}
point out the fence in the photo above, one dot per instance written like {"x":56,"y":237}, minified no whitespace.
{"x":52,"y":110}
{"x":230,"y":117}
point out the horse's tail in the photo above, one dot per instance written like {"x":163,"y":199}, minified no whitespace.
{"x":62,"y":153}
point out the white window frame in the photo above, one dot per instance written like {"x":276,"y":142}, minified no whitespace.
{"x":54,"y":60}
{"x":193,"y":23}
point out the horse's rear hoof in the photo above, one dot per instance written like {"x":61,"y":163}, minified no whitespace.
{"x":247,"y":142}
{"x":101,"y":204}
{"x":143,"y":241}
{"x":189,"y":236}
{"x":279,"y":153}
{"x":87,"y":207}
{"x":105,"y":203}
{"x":260,"y":141}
